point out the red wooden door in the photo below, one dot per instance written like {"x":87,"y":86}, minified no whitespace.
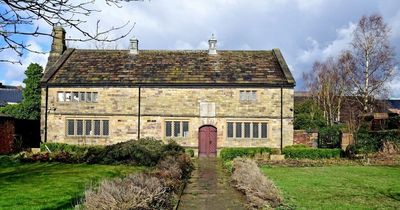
{"x":207,"y":141}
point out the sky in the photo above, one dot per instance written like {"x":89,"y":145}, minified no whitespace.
{"x":304,"y":30}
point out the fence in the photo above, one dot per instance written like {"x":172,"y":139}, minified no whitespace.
{"x":16,"y":134}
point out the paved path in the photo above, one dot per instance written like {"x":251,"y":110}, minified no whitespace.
{"x":209,"y":189}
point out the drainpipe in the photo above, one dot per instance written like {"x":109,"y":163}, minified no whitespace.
{"x":139,"y":113}
{"x":45,"y":114}
{"x":281,"y":118}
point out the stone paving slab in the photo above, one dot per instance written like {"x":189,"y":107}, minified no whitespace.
{"x":209,"y":189}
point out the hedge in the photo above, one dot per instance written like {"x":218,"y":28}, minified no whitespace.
{"x":62,"y":147}
{"x":146,"y":152}
{"x":231,"y":153}
{"x":310,"y":153}
{"x":371,"y":141}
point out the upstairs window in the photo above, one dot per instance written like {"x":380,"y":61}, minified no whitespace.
{"x":77,"y":96}
{"x":248,"y":96}
{"x":176,"y":129}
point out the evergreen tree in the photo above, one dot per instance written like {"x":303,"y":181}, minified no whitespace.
{"x":29,"y":108}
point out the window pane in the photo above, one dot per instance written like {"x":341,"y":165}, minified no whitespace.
{"x":75,"y":96}
{"x":105,"y":128}
{"x":97,"y":127}
{"x":82,"y":96}
{"x":68,"y":96}
{"x":88,"y":128}
{"x":254,"y":95}
{"x":177,"y":128}
{"x":70,"y":127}
{"x":242,"y":95}
{"x":94,"y":97}
{"x":248,"y":93}
{"x":255,"y":130}
{"x":230,"y":130}
{"x":238,"y":130}
{"x":247,"y":130}
{"x":61,"y":96}
{"x":185,"y":126}
{"x":168,"y":128}
{"x":79,"y":127}
{"x":89,"y":97}
{"x":264,"y":130}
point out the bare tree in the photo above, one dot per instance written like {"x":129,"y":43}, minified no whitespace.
{"x":19,"y":19}
{"x":328,"y":82}
{"x":374,"y":60}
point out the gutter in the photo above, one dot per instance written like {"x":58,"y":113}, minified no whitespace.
{"x":45,"y":114}
{"x":139,"y":112}
{"x":181,"y":85}
{"x":281,"y":119}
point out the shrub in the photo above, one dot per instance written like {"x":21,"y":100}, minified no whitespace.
{"x":146,"y":152}
{"x":174,"y":169}
{"x":370,"y":142}
{"x":310,"y":153}
{"x":329,"y":137}
{"x":138,"y":191}
{"x":172,"y":148}
{"x":190,"y":152}
{"x":261,"y":193}
{"x":231,"y":153}
{"x":62,"y":147}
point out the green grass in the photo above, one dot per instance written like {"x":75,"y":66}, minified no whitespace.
{"x":339,"y":187}
{"x":50,"y":185}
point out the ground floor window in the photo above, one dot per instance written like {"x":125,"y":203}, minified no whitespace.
{"x":87,"y":127}
{"x":176,"y":128}
{"x":247,"y":130}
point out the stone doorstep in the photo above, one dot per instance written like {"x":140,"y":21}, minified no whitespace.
{"x":277,"y":157}
{"x":35,"y":150}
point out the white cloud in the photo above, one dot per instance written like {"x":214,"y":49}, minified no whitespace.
{"x":14,"y":73}
{"x":305,"y":30}
{"x":317,"y":52}
{"x":394,"y":85}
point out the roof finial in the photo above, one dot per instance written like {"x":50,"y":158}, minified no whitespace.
{"x":134,"y":46}
{"x":212,"y":48}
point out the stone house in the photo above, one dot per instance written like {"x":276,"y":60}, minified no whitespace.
{"x":203,"y":99}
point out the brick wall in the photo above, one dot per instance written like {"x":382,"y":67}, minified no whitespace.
{"x":302,"y":137}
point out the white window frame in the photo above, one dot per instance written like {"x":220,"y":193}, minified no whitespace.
{"x":84,"y":120}
{"x":251,"y":130}
{"x":78,"y":99}
{"x":248,"y":96}
{"x":181,"y":133}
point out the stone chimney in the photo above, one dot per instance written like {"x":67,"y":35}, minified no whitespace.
{"x":212,"y":48}
{"x":57,"y":47}
{"x":134,"y":46}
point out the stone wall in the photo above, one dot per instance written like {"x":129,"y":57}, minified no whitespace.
{"x":158,"y":104}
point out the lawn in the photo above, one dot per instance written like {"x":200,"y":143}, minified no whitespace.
{"x":339,"y":187}
{"x":50,"y":185}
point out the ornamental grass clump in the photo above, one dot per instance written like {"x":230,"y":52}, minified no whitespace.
{"x":151,"y":190}
{"x":259,"y":190}
{"x":137,"y":191}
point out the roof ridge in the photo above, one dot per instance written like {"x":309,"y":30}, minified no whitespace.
{"x":168,"y":50}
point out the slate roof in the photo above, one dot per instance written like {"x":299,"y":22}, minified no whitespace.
{"x":395,"y":104}
{"x":10,"y":94}
{"x":115,"y":67}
